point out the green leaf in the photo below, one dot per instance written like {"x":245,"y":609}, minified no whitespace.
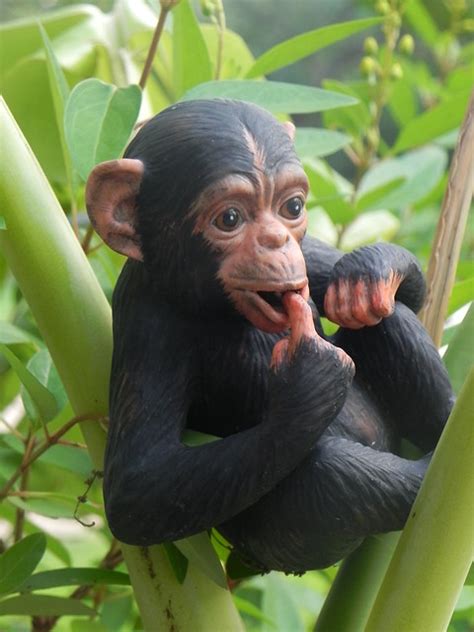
{"x":312,"y":142}
{"x":12,"y":335}
{"x":179,"y":562}
{"x":99,"y":119}
{"x":330,"y":191}
{"x":458,"y":358}
{"x":402,"y":103}
{"x":368,"y":228}
{"x":69,"y":458}
{"x":42,"y":367}
{"x":43,"y":400}
{"x":422,"y":169}
{"x":20,"y":560}
{"x":236,"y":568}
{"x":3,"y":225}
{"x":115,"y":609}
{"x":50,"y":504}
{"x":371,"y":198}
{"x":194,"y":438}
{"x":87,"y":625}
{"x":433,"y":123}
{"x":354,"y":119}
{"x":279,"y":607}
{"x":420,"y":19}
{"x":275,"y":96}
{"x":236,"y":58}
{"x":462,"y":293}
{"x":320,"y":225}
{"x":198,"y":550}
{"x":74,"y":577}
{"x":60,"y":94}
{"x":42,"y":605}
{"x":191,"y":62}
{"x":296,"y":48}
{"x":470,"y":576}
{"x":247,"y":607}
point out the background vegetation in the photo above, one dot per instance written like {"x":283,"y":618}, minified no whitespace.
{"x":376,"y":143}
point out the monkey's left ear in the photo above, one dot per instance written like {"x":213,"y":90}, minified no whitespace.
{"x":290,"y":129}
{"x":111,"y":192}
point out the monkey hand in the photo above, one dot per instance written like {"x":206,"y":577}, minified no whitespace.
{"x":309,"y":376}
{"x":359,"y":297}
{"x":302,"y":330}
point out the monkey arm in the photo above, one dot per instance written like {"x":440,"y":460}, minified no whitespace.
{"x":360,"y":287}
{"x":158,"y":489}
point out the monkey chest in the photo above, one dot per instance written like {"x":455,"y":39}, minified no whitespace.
{"x":232,"y":385}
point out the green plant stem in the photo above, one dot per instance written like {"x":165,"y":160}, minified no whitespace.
{"x":350,"y":600}
{"x":153,"y":46}
{"x":221,"y":26}
{"x":75,"y":320}
{"x":450,"y":230}
{"x":435,"y":551}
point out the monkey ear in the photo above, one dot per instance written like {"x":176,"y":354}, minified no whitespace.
{"x":111,"y":192}
{"x":290,"y":129}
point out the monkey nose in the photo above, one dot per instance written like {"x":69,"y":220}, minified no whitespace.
{"x":273,"y":236}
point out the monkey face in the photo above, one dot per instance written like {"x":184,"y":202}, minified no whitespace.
{"x":255,"y":227}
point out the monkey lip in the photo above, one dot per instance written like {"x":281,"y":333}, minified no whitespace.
{"x":262,"y":304}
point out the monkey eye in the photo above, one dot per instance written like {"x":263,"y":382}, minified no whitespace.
{"x":292,"y":208}
{"x":228,"y":220}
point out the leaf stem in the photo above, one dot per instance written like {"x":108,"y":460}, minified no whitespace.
{"x":153,"y":46}
{"x":450,"y":230}
{"x":32,"y":455}
{"x":221,"y":26}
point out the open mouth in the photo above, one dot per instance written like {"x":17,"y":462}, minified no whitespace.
{"x":275,"y":299}
{"x":264,"y":307}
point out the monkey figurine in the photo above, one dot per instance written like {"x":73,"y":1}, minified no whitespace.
{"x":216,"y":329}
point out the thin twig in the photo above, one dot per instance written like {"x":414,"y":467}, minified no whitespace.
{"x":83,"y":497}
{"x":20,"y":513}
{"x":41,"y":449}
{"x":153,"y":46}
{"x":450,"y":230}
{"x":220,"y":25}
{"x":86,"y":242}
{"x":12,"y":429}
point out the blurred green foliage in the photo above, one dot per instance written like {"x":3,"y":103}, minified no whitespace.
{"x":376,"y":154}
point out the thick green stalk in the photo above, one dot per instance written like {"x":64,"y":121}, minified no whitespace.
{"x":348,"y":604}
{"x":75,"y":320}
{"x":435,"y":551}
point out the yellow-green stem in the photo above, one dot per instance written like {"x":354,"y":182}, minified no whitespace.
{"x":75,"y":320}
{"x":435,"y":551}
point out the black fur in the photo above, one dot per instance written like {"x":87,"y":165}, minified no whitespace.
{"x":306,"y":464}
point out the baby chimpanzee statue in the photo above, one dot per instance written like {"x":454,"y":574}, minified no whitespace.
{"x":216,"y":328}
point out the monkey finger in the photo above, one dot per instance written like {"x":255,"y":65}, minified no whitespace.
{"x":362,"y":305}
{"x":279,"y":354}
{"x":345,"y":301}
{"x":382,"y":298}
{"x":301,"y":318}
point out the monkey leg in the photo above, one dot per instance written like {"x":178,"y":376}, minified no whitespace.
{"x":321,"y":512}
{"x":397,"y":360}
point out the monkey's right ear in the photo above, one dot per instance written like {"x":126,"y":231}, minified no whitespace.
{"x":111,"y":192}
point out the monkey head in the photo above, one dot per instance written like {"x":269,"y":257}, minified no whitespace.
{"x":210,"y":196}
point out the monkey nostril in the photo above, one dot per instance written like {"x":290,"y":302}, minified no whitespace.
{"x":274,"y":238}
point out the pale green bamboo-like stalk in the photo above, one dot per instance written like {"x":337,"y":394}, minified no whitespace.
{"x":435,"y":551}
{"x":348,"y":604}
{"x":371,"y":562}
{"x":75,"y":320}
